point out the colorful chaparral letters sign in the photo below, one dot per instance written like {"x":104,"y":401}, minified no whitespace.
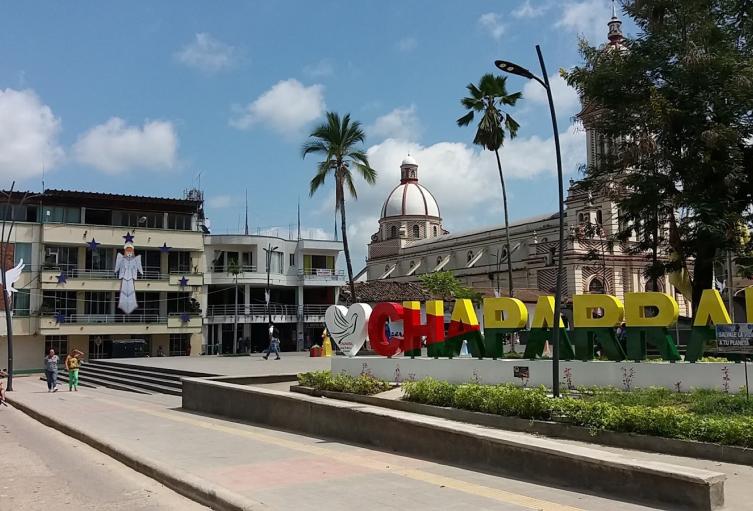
{"x":647,"y":317}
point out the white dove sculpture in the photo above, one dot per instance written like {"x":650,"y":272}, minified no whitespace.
{"x":11,"y":276}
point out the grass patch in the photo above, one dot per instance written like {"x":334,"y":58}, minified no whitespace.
{"x":365,"y":383}
{"x":702,"y":415}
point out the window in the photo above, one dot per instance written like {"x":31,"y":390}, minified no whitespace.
{"x":439,"y":260}
{"x":178,"y":302}
{"x":218,"y":264}
{"x":179,"y":344}
{"x":179,"y":262}
{"x":22,"y":251}
{"x":292,"y":260}
{"x":469,"y":256}
{"x":598,"y":216}
{"x":247,"y":261}
{"x":148,"y":307}
{"x":59,"y":343}
{"x":63,"y":302}
{"x":100,"y":259}
{"x":19,"y":213}
{"x":596,"y":286}
{"x":151,"y":263}
{"x":99,"y":217}
{"x":393,"y":231}
{"x":136,"y":219}
{"x":61,"y":215}
{"x":275,"y":262}
{"x":22,"y":302}
{"x":416,"y":231}
{"x":60,"y":257}
{"x":179,"y":221}
{"x":434,"y":231}
{"x":412,"y":264}
{"x":97,"y":302}
{"x":552,"y":256}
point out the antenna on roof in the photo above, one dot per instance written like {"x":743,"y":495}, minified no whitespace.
{"x":246,"y":231}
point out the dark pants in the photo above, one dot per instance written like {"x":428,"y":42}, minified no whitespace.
{"x":273,"y":347}
{"x":52,"y":379}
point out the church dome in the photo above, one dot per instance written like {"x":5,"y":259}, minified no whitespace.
{"x":409,"y":160}
{"x":410,"y":199}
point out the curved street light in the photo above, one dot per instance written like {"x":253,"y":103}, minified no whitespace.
{"x":509,"y":67}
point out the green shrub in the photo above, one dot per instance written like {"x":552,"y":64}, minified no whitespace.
{"x":703,"y":415}
{"x":430,"y":391}
{"x":364,"y":383}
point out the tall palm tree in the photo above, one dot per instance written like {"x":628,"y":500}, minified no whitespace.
{"x":337,"y":139}
{"x":487,"y":99}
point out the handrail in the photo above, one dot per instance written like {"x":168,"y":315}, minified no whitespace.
{"x":322,"y":273}
{"x":114,"y":318}
{"x":261,"y":310}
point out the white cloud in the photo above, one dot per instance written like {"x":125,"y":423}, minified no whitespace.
{"x":491,"y":23}
{"x":407,"y":44}
{"x":463,"y":179}
{"x":207,"y":54}
{"x":28,"y":135}
{"x":401,"y":123}
{"x":566,"y":100}
{"x":527,"y":10}
{"x":324,"y":67}
{"x":115,"y":147}
{"x":221,"y":201}
{"x":287,"y":107}
{"x":586,"y":17}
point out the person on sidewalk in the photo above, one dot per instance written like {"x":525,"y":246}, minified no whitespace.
{"x":51,"y":371}
{"x":274,"y":343}
{"x":72,"y":365}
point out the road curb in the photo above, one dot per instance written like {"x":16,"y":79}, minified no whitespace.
{"x":187,"y":485}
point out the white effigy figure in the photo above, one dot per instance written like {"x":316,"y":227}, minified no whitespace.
{"x":127,"y":267}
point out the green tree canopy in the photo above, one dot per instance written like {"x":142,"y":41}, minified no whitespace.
{"x":676,"y":102}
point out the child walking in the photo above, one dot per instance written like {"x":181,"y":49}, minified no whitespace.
{"x":72,"y":364}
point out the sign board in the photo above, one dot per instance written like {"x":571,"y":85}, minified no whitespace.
{"x":521,"y":372}
{"x":323,"y":272}
{"x":735,"y":338}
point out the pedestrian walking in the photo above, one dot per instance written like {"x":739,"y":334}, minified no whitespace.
{"x":274,"y":343}
{"x":72,"y":365}
{"x":51,"y":371}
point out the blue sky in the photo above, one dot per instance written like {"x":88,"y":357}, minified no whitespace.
{"x":140,"y":97}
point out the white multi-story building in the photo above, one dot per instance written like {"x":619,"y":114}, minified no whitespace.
{"x":303,"y":279}
{"x":68,"y":291}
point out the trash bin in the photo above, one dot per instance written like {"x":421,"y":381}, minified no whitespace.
{"x":315,"y":351}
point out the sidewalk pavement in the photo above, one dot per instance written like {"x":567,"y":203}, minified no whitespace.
{"x":232,"y":465}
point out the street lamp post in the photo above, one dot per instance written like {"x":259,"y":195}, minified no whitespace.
{"x":267,"y":293}
{"x":515,"y":69}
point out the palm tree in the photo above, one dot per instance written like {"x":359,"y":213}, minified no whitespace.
{"x":487,"y":99}
{"x":336,"y":139}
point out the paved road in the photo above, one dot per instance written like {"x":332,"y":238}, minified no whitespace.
{"x":277,"y":470}
{"x":44,"y":469}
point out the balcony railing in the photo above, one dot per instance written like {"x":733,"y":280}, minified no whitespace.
{"x":261,"y":310}
{"x":98,"y":319}
{"x":246,"y":268}
{"x":83,"y":273}
{"x":321,"y":273}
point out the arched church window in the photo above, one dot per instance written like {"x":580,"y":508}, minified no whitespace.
{"x":581,"y":218}
{"x":439,"y":260}
{"x":393,"y":231}
{"x":596,"y":286}
{"x":598,"y":216}
{"x":470,"y":255}
{"x":416,"y":231}
{"x":650,"y":286}
{"x":504,"y":254}
{"x":552,"y":255}
{"x":434,"y":229}
{"x":412,"y":264}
